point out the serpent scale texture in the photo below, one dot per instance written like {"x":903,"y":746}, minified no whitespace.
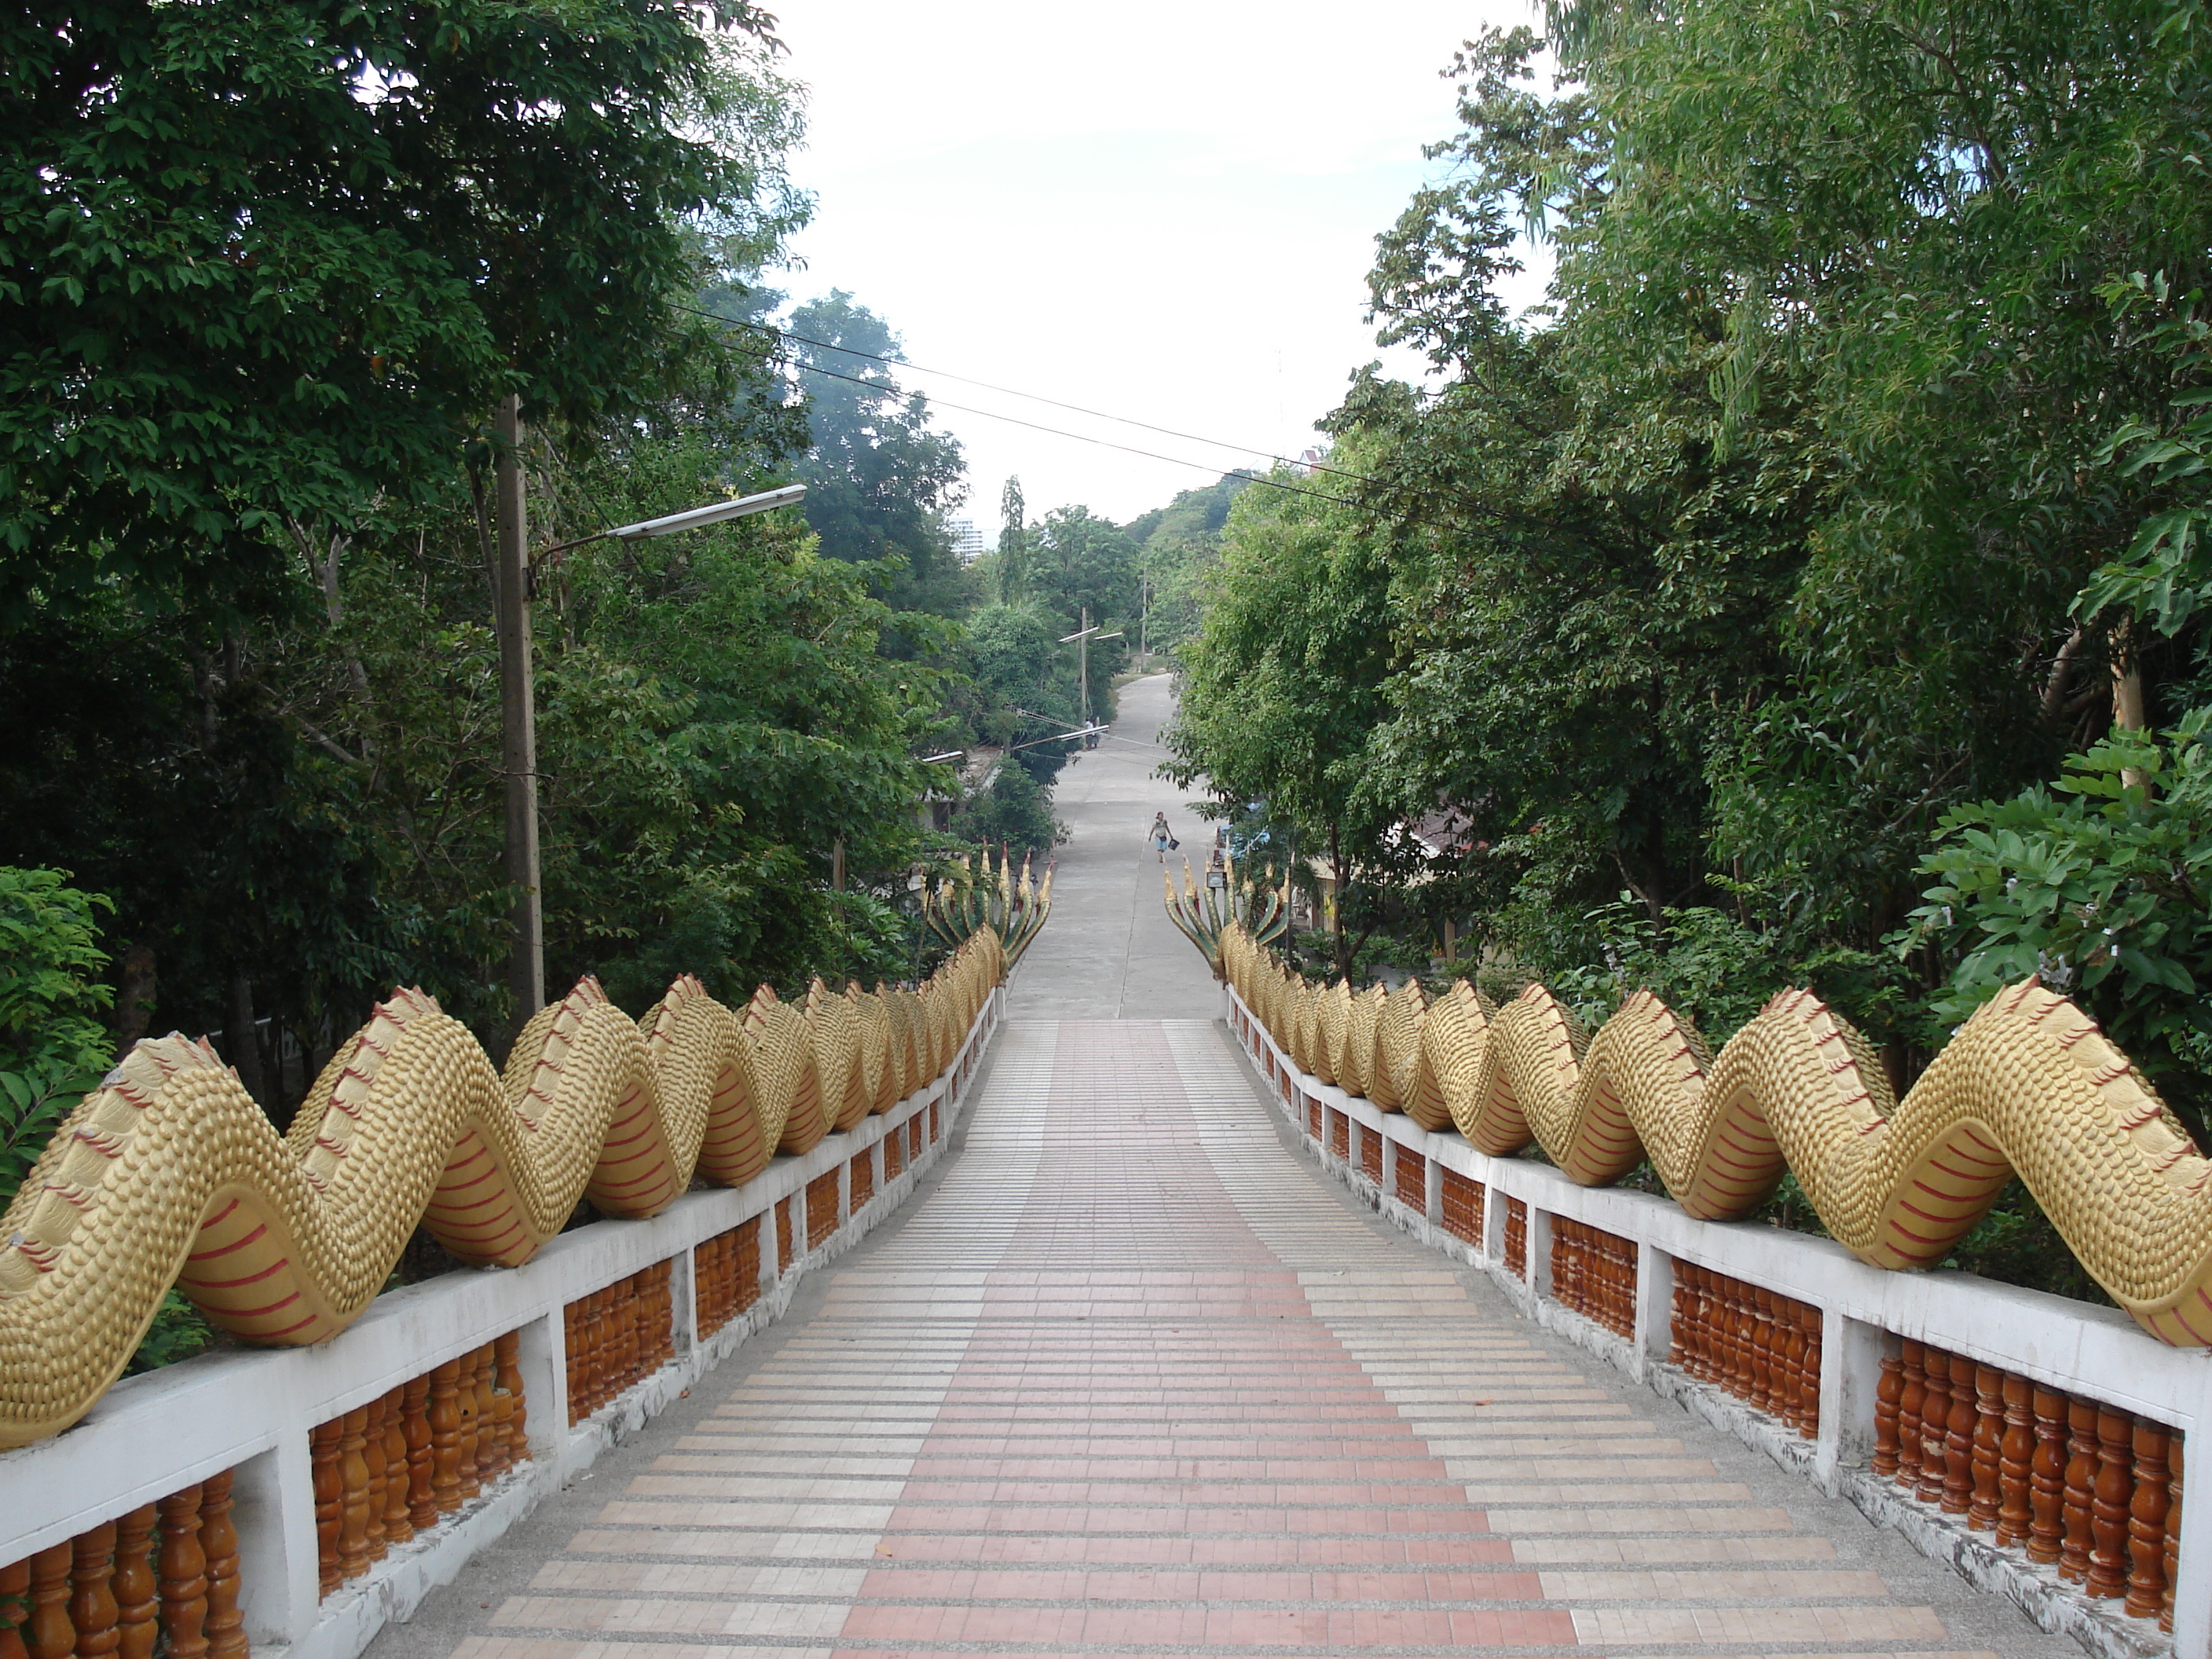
{"x":169,"y":1174}
{"x":2029,"y":1086}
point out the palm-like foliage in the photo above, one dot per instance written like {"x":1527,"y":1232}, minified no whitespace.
{"x":1203,"y":912}
{"x":1012,"y":907}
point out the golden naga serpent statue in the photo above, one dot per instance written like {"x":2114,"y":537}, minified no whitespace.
{"x":961,"y":901}
{"x":2029,"y":1085}
{"x":168,"y":1172}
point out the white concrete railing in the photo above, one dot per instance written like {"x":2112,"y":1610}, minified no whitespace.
{"x":2094,"y":1353}
{"x":253,"y":1410}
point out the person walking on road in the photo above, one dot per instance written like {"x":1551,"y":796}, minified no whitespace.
{"x":1160,"y":835}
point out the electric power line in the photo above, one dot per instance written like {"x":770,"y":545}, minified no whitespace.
{"x":1434,"y":492}
{"x":1037,"y":398}
{"x":1103,"y":443}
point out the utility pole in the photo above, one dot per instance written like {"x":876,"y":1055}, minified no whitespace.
{"x":518,"y":710}
{"x":517,"y":725}
{"x":1081,"y":640}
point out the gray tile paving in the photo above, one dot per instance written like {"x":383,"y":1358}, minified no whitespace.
{"x":1130,"y":1376}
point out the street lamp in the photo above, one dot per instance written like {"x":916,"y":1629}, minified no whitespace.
{"x":518,"y":719}
{"x":1081,"y":640}
{"x":692,"y":518}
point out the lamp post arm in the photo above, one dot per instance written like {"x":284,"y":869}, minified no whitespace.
{"x":693,"y":518}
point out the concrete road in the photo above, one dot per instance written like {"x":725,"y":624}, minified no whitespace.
{"x":1109,"y":952}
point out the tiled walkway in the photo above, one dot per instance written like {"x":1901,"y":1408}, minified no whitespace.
{"x":1132,"y":1379}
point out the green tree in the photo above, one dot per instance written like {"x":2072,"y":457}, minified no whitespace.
{"x":1080,"y":560}
{"x":1021,"y":681}
{"x":1577,"y":602}
{"x":878,"y":478}
{"x":1725,"y":584}
{"x":279,"y":746}
{"x":1013,"y":543}
{"x":1283,"y":687}
{"x":1195,"y":515}
{"x":1876,"y":250}
{"x":296,"y":815}
{"x":1083,"y":565}
{"x":52,"y":1047}
{"x":1014,"y":812}
{"x":715,"y":714}
{"x":157,"y":755}
{"x":262,"y":265}
{"x":784,"y":729}
{"x":1177,"y":546}
{"x":2164,"y":576}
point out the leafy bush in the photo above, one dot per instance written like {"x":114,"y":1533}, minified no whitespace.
{"x":2165,"y":576}
{"x":1383,"y":949}
{"x":1704,"y":964}
{"x":51,"y":1048}
{"x":179,"y":1332}
{"x":1015,"y":811}
{"x":2099,"y":888}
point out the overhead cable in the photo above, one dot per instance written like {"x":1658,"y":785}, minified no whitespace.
{"x":1039,"y":397}
{"x":1434,"y":492}
{"x":1259,"y":478}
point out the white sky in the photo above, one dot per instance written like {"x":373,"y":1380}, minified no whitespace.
{"x":1164,"y":211}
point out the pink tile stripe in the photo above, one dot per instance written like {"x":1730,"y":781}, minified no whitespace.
{"x":1168,"y":1449}
{"x":1131,"y":1381}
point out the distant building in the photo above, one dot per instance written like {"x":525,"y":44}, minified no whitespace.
{"x":969,"y":541}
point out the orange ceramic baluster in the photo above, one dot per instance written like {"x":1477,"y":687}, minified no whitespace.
{"x":353,"y":1506}
{"x":2015,"y":1452}
{"x":1935,"y":1426}
{"x":2080,"y":1480}
{"x":2147,"y":1521}
{"x":446,"y":1437}
{"x":464,"y":1444}
{"x":1911,"y":1403}
{"x":491,"y":1434}
{"x":137,"y":1592}
{"x":2173,"y":1460}
{"x":92,"y":1594}
{"x":1887,"y":1393}
{"x":52,"y":1635}
{"x":184,"y":1576}
{"x":2108,"y":1504}
{"x":330,"y":1499}
{"x":2046,"y":1478}
{"x":1983,"y":1499}
{"x":226,"y":1626}
{"x":371,"y":1457}
{"x":399,"y":1524}
{"x":15,"y":1608}
{"x":415,"y":1422}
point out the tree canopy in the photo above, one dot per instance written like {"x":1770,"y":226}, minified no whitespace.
{"x":878,"y":477}
{"x":268,"y":263}
{"x":264,"y":276}
{"x":1814,"y":588}
{"x":1176,"y":545}
{"x":1284,"y":682}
